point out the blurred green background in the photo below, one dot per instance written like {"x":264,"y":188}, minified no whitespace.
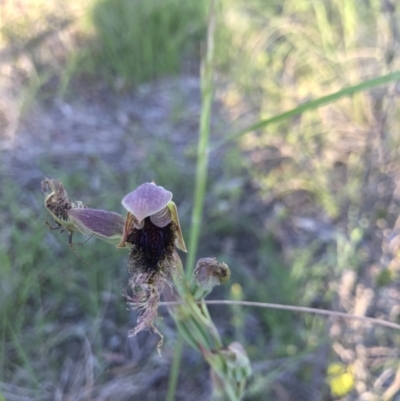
{"x":105,"y":95}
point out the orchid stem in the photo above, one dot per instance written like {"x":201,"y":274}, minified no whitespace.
{"x":206,"y":81}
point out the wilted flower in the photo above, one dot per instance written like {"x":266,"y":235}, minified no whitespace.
{"x":77,"y":217}
{"x":58,"y":204}
{"x":105,"y":225}
{"x":152,"y":231}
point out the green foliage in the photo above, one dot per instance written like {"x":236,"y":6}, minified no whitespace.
{"x":282,"y":288}
{"x":384,"y":278}
{"x":127,"y":42}
{"x":309,"y":155}
{"x":44,"y":285}
{"x":302,"y":70}
{"x":293,"y":54}
{"x":141,"y":40}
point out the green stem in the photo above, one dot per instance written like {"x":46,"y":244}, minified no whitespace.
{"x":201,"y":177}
{"x":173,"y":376}
{"x":202,"y":147}
{"x":313,"y":104}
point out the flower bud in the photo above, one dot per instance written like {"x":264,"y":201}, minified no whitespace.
{"x":236,"y":368}
{"x":207,"y":274}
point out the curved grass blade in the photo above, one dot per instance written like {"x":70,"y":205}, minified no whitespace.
{"x":313,"y":104}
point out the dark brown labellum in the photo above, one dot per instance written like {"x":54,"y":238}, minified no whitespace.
{"x":152,"y":246}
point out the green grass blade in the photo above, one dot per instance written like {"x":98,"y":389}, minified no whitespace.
{"x":201,"y":177}
{"x":202,"y":148}
{"x":313,"y":104}
{"x":20,"y":351}
{"x":173,"y":377}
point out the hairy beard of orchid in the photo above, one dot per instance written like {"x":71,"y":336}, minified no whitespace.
{"x":153,"y":248}
{"x":153,"y":233}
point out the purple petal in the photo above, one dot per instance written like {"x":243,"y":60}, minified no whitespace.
{"x":161,"y":218}
{"x":105,"y":225}
{"x":146,"y":200}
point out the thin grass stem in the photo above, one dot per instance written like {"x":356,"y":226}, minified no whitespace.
{"x":294,"y":308}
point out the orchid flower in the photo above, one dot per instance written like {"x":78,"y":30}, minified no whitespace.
{"x":152,"y":231}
